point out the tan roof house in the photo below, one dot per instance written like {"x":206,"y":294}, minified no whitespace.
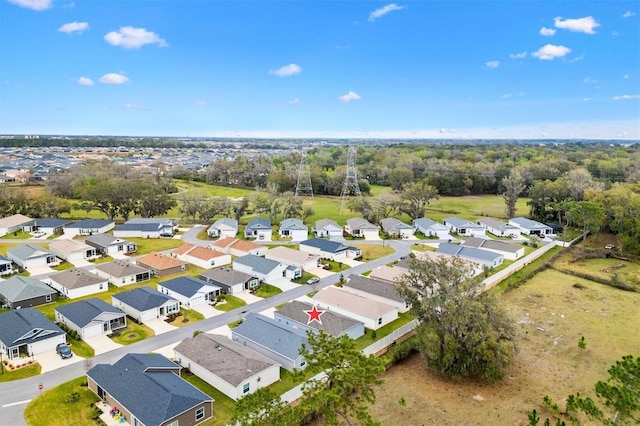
{"x":72,"y":250}
{"x":12,"y":223}
{"x":372,"y":313}
{"x":122,"y":272}
{"x":76,"y":282}
{"x":288,"y":256}
{"x":162,"y":264}
{"x":238,"y":248}
{"x":203,"y":257}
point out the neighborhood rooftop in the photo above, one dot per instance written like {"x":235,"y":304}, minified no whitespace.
{"x":187,"y":286}
{"x":83,"y":312}
{"x":142,"y":298}
{"x":332,"y":322}
{"x":76,"y":278}
{"x":271,"y":334}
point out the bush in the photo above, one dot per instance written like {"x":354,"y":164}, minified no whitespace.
{"x":400,"y":351}
{"x":72,"y":397}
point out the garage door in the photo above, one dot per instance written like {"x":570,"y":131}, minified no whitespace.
{"x":92,"y":330}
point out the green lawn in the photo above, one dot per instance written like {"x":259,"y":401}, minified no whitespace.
{"x":266,"y":290}
{"x":373,"y":251}
{"x":206,"y":190}
{"x":222,"y":406}
{"x":20,"y":373}
{"x":335,"y":266}
{"x":303,"y":279}
{"x":471,"y":207}
{"x":18,"y":235}
{"x":364,"y":341}
{"x":517,"y":276}
{"x":51,"y":409}
{"x":133,"y":333}
{"x":189,"y":316}
{"x":64,"y":265}
{"x":232,"y":302}
{"x":148,"y":245}
{"x":80,"y":347}
{"x":5,"y":246}
{"x":102,"y":259}
{"x":288,"y":380}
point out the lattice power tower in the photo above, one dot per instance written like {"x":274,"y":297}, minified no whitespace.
{"x":303,"y":186}
{"x":350,"y":186}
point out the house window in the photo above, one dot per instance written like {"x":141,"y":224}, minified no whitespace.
{"x":48,"y":298}
{"x":199,"y":414}
{"x":379,"y":321}
{"x":213,"y":263}
{"x":303,"y":363}
{"x":123,"y":281}
{"x":245,"y":388}
{"x":176,"y":422}
{"x":101,"y":286}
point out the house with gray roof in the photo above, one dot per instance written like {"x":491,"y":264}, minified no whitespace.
{"x":89,"y":227}
{"x":272,"y":339}
{"x":510,"y":251}
{"x":122,"y":272}
{"x":464,"y":227}
{"x":26,"y":332}
{"x":189,"y":291}
{"x":531,"y":227}
{"x":12,"y":223}
{"x":294,"y":314}
{"x":265,"y":269}
{"x":498,"y":228}
{"x":31,"y":256}
{"x":487,"y":258}
{"x":294,"y":229}
{"x":230,"y":280}
{"x":233,"y":369}
{"x":358,"y":227}
{"x":50,"y":226}
{"x":142,"y":230}
{"x":327,"y":228}
{"x":431,"y":228}
{"x":331,"y":250}
{"x":395,"y":228}
{"x":147,"y":390}
{"x":77,"y":282}
{"x":225,"y":227}
{"x":144,"y":304}
{"x":260,"y":229}
{"x":109,"y":245}
{"x":6,"y":266}
{"x":376,"y":290}
{"x":23,"y":292}
{"x":91,"y":317}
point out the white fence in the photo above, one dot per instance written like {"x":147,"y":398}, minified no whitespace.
{"x":388,"y":340}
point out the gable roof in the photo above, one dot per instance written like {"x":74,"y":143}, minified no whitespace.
{"x":244,"y":245}
{"x":224,"y":242}
{"x":291,"y":255}
{"x":90,"y":224}
{"x":327,"y":223}
{"x":353,"y":303}
{"x":225,"y":223}
{"x":14,"y":220}
{"x":375,"y":287}
{"x":48,"y":222}
{"x":494,"y":223}
{"x":360,"y":223}
{"x":83,"y":312}
{"x":259,"y":224}
{"x":491,"y":244}
{"x":325,"y":245}
{"x":424,"y":222}
{"x":14,"y":325}
{"x":473,"y":253}
{"x":4,"y":259}
{"x":148,"y":387}
{"x":76,"y":278}
{"x":461,"y":223}
{"x":257,"y":263}
{"x":293,"y":224}
{"x":186,"y":286}
{"x":69,"y":246}
{"x":121,"y":268}
{"x":227,"y":276}
{"x":225,"y":358}
{"x":332,"y":322}
{"x":272,"y":334}
{"x":523,"y":222}
{"x":143,"y":298}
{"x":18,"y":288}
{"x":391,"y":223}
{"x":160,"y":261}
{"x":198,"y":252}
{"x":153,"y":220}
{"x":25,"y":251}
{"x":142,"y":227}
{"x":104,"y":240}
{"x":388,"y":273}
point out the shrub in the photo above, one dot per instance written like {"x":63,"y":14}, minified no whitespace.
{"x":72,"y":397}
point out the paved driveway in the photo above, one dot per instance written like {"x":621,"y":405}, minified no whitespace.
{"x":81,"y":263}
{"x":50,"y":360}
{"x":320,"y":272}
{"x":284,"y":284}
{"x":159,"y":326}
{"x":247,"y":297}
{"x":41,"y":270}
{"x":207,"y":310}
{"x":102,"y":344}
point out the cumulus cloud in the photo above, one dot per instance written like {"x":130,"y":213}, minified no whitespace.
{"x":550,"y":52}
{"x":133,"y":38}
{"x":351,"y":96}
{"x":628,"y":14}
{"x":581,"y":25}
{"x":295,"y":101}
{"x":85,"y":81}
{"x":520,"y":55}
{"x":625,"y":97}
{"x":134,"y":106}
{"x":548,"y":32}
{"x":492,"y":64}
{"x":38,"y":5}
{"x":200,"y":102}
{"x":379,"y":13}
{"x":287,"y":70}
{"x":73,"y":27}
{"x":114,"y":78}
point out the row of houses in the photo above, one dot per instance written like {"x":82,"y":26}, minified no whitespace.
{"x":513,"y":228}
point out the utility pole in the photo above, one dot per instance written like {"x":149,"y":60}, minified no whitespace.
{"x":350,"y":186}
{"x":303,"y":186}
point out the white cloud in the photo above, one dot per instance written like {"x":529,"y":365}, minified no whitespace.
{"x":295,"y":101}
{"x":507,"y":96}
{"x":114,"y":78}
{"x":587,"y":99}
{"x":581,"y":25}
{"x":287,"y":70}
{"x":133,"y":38}
{"x":548,"y":32}
{"x":625,"y":97}
{"x":577,"y":58}
{"x":73,"y":27}
{"x":33,"y":4}
{"x":626,"y":77}
{"x":85,"y":81}
{"x":200,"y":102}
{"x":492,"y":64}
{"x":550,"y":52}
{"x":379,"y":13}
{"x":351,"y":96}
{"x":520,"y":55}
{"x":589,"y":80}
{"x":628,"y":14}
{"x":134,"y":106}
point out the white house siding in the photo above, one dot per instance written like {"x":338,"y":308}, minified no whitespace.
{"x":206,"y":264}
{"x":285,"y":362}
{"x":136,"y":234}
{"x":74,"y":293}
{"x":299,"y":234}
{"x":35,"y":262}
{"x":370,"y":323}
{"x":325,"y":255}
{"x":46,"y":344}
{"x":276,"y":273}
{"x":88,"y":231}
{"x":134,"y":313}
{"x":188,"y":302}
{"x":370,"y":234}
{"x":400,"y":306}
{"x":507,"y":254}
{"x":256,"y":252}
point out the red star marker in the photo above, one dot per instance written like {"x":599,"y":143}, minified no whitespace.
{"x":314,"y":315}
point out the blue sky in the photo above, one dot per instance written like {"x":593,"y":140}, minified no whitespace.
{"x":419,"y":69}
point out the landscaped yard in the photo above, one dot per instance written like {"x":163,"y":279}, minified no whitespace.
{"x":18,"y":235}
{"x":231,"y":303}
{"x":222,"y":406}
{"x":80,"y":347}
{"x":63,"y":266}
{"x":52,"y":409}
{"x":189,"y":316}
{"x":266,"y":290}
{"x":373,"y":251}
{"x":133,"y":333}
{"x":148,"y":245}
{"x":20,"y":373}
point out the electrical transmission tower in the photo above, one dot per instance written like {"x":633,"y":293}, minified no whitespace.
{"x":303,"y":186}
{"x":350,"y":186}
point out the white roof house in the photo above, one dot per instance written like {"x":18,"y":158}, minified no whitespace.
{"x":226,"y":227}
{"x":77,"y":282}
{"x":464,"y":227}
{"x":301,"y":259}
{"x":72,"y":250}
{"x":294,"y":229}
{"x":498,"y":228}
{"x":431,"y":228}
{"x":328,"y":228}
{"x":531,"y":227}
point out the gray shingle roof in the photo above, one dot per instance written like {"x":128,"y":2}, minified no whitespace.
{"x":142,"y":227}
{"x":424,"y":222}
{"x":293,"y":224}
{"x":332,"y":322}
{"x":273,"y":335}
{"x":90,"y":224}
{"x":375,"y":287}
{"x":360,"y":223}
{"x":17,"y":288}
{"x":15,"y":324}
{"x":257,"y":263}
{"x":325,"y":245}
{"x":327,"y":222}
{"x":494,"y":223}
{"x":468,"y":252}
{"x":491,"y":244}
{"x":48,"y":222}
{"x":224,"y":223}
{"x":146,"y":387}
{"x":83,"y":312}
{"x":25,"y":251}
{"x":461,"y":223}
{"x":121,"y":268}
{"x":227,"y":276}
{"x":259,"y":224}
{"x":528,"y":223}
{"x":186,"y":286}
{"x":143,"y":298}
{"x":76,"y":278}
{"x":391,"y":223}
{"x":102,"y":240}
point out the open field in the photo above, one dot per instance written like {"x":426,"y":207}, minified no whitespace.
{"x":606,"y":268}
{"x":551,"y":315}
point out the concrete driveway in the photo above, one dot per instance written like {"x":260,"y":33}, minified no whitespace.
{"x":207,"y":310}
{"x":50,"y":360}
{"x":247,"y":297}
{"x":81,"y":263}
{"x":284,"y":284}
{"x":351,"y":262}
{"x":102,"y":344}
{"x":41,"y":270}
{"x":159,"y":326}
{"x":320,"y":272}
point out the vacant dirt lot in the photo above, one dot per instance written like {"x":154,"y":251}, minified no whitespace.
{"x":551,"y":315}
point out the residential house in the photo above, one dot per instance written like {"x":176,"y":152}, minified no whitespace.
{"x":327,"y":228}
{"x":189,"y":291}
{"x":223,"y":228}
{"x":6,"y":266}
{"x":147,"y":390}
{"x":91,"y":317}
{"x":122,"y":272}
{"x":150,"y":228}
{"x":230,"y":280}
{"x":431,"y":228}
{"x":294,"y":314}
{"x":260,"y":229}
{"x":167,"y":224}
{"x":272,"y":339}
{"x":474,"y":267}
{"x":376,"y":290}
{"x":50,"y":226}
{"x":395,"y":228}
{"x":161,"y":264}
{"x":76,"y":282}
{"x":31,"y":256}
{"x":13,"y":223}
{"x":508,"y":250}
{"x":144,"y":303}
{"x":358,"y":227}
{"x":109,"y":245}
{"x":233,"y":369}
{"x":463,"y":227}
{"x":89,"y":227}
{"x":331,"y":250}
{"x":288,"y":256}
{"x":266,"y":270}
{"x":498,"y":228}
{"x":531,"y":227}
{"x":26,"y":332}
{"x":388,"y":274}
{"x":24,"y":292}
{"x":203,"y":257}
{"x":238,"y":248}
{"x":72,"y":250}
{"x":372,"y":313}
{"x":488,"y":258}
{"x":294,"y":229}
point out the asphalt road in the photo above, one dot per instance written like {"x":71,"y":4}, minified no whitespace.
{"x":15,"y":395}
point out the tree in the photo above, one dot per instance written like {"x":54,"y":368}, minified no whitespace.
{"x":154,"y":201}
{"x":586,"y":214}
{"x":213,"y":207}
{"x":513,"y":185}
{"x":191,"y":206}
{"x":462,"y":332}
{"x":578,"y":181}
{"x":307,"y":212}
{"x":399,"y":177}
{"x":416,"y":197}
{"x":263,"y":408}
{"x":239,"y":207}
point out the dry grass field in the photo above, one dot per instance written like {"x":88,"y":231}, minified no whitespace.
{"x":551,"y":315}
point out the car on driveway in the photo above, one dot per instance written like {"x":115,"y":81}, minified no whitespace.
{"x":39,"y":234}
{"x":313,"y":280}
{"x":609,"y":246}
{"x":64,"y":350}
